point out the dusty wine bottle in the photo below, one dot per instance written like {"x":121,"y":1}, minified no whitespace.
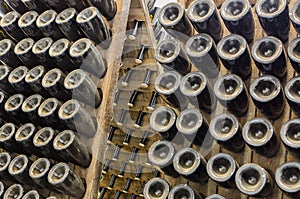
{"x":260,"y":136}
{"x":7,"y":140}
{"x":215,"y":196}
{"x":41,"y":50}
{"x":9,"y":23}
{"x":48,"y":112}
{"x":36,"y":5}
{"x":13,"y":107}
{"x":161,"y":154}
{"x":15,"y":191}
{"x":290,"y":136}
{"x":64,"y":179}
{"x":32,"y":194}
{"x":222,"y":168}
{"x":202,"y":52}
{"x":291,"y":91}
{"x":7,"y":54}
{"x":66,"y":21}
{"x":5,"y":86}
{"x":269,"y":56}
{"x":43,"y":141}
{"x":199,"y":91}
{"x":27,"y":23}
{"x":88,"y":58}
{"x":193,"y":126}
{"x":274,"y":18}
{"x":94,"y":26}
{"x":17,"y":5}
{"x":46,"y":23}
{"x":172,"y":56}
{"x":16,"y":79}
{"x":294,"y":16}
{"x":78,"y":5}
{"x":19,"y":170}
{"x":287,"y":178}
{"x":294,"y":54}
{"x":38,"y":172}
{"x":238,"y":18}
{"x":267,"y":95}
{"x":34,"y":79}
{"x":191,"y":165}
{"x":83,"y":88}
{"x":78,"y":119}
{"x":163,"y":120}
{"x":205,"y":18}
{"x":53,"y":82}
{"x":232,"y":94}
{"x":234,"y":53}
{"x":57,"y":5}
{"x":69,"y":145}
{"x":173,"y":18}
{"x":60,"y":52}
{"x":108,"y":8}
{"x":168,"y":86}
{"x":227,"y":131}
{"x":5,"y":160}
{"x":183,"y":191}
{"x":156,"y":188}
{"x":24,"y":138}
{"x":23,"y":50}
{"x":253,"y":180}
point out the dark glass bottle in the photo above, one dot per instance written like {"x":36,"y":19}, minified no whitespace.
{"x":19,"y":170}
{"x":83,"y":88}
{"x":23,"y":50}
{"x":274,"y":18}
{"x":253,"y":180}
{"x":260,"y":136}
{"x":13,"y":107}
{"x":34,"y":80}
{"x":56,"y":5}
{"x":156,"y":188}
{"x":108,"y":8}
{"x":183,"y":191}
{"x":235,"y":56}
{"x":238,"y":18}
{"x":78,"y":119}
{"x":194,"y":127}
{"x":163,"y":120}
{"x":205,"y":18}
{"x":267,"y":95}
{"x":222,"y":168}
{"x":43,"y":141}
{"x":78,"y":4}
{"x":287,"y":178}
{"x":69,"y":145}
{"x":172,"y":56}
{"x":88,"y":58}
{"x":162,"y":153}
{"x":168,"y":86}
{"x":232,"y":94}
{"x":295,"y":16}
{"x":64,"y":179}
{"x":66,"y":21}
{"x":191,"y":165}
{"x":53,"y":82}
{"x":173,"y":18}
{"x":202,"y":52}
{"x":16,"y":79}
{"x":38,"y":172}
{"x":9,"y":23}
{"x":17,"y":5}
{"x":196,"y":87}
{"x":269,"y":56}
{"x":5,"y":160}
{"x":15,"y":191}
{"x":27,"y":23}
{"x":226,"y":130}
{"x":290,"y":136}
{"x":36,"y":5}
{"x":46,"y":23}
{"x":291,"y":91}
{"x":94,"y":26}
{"x":215,"y":196}
{"x":32,"y":194}
{"x":41,"y":50}
{"x":294,"y":54}
{"x":5,"y":86}
{"x":7,"y":54}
